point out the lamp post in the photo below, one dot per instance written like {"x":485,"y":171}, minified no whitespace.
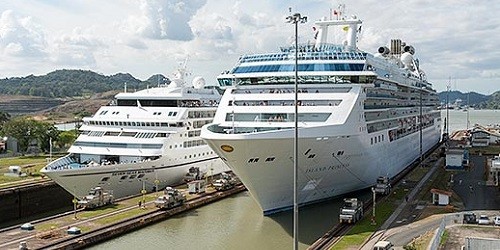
{"x":5,"y":138}
{"x":374,"y":222}
{"x":296,"y":19}
{"x":143,"y":192}
{"x":447,"y":112}
{"x":420,"y":125}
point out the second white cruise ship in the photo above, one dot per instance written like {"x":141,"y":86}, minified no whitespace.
{"x":145,"y":141}
{"x":360,"y":116}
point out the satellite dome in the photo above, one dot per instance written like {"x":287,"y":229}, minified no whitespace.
{"x":407,"y":60}
{"x":198,"y":82}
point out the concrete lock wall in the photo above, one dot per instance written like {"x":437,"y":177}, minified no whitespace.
{"x":26,"y":202}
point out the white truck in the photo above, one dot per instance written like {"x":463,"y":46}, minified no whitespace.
{"x":225,"y":182}
{"x":171,"y":198}
{"x":97,"y":197}
{"x":194,"y":173}
{"x":383,"y":185}
{"x":352,"y":211}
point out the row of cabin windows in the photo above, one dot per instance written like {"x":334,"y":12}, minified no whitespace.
{"x":133,"y":124}
{"x":117,"y":145}
{"x":336,"y":79}
{"x":199,"y":155}
{"x":201,"y":114}
{"x":290,"y":90}
{"x":301,"y":67}
{"x":126,"y":134}
{"x":286,"y":103}
{"x":194,"y":143}
{"x":129,"y":177}
{"x":277,"y":117}
{"x":376,"y":139}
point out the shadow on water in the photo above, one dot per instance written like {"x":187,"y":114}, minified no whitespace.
{"x":317,"y":218}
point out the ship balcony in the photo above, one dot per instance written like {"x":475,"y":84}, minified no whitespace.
{"x":69,"y":162}
{"x":220,"y":129}
{"x":66,"y":162}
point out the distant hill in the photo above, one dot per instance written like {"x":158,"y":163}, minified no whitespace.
{"x":472,"y":99}
{"x":73,"y":83}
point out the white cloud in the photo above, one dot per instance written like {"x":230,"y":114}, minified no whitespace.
{"x":20,"y":37}
{"x":164,"y":19}
{"x":453,"y":38}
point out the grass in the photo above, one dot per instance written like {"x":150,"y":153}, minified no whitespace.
{"x":444,"y":238}
{"x":421,"y":242}
{"x":120,"y":216}
{"x":363,"y":229}
{"x":46,"y":226}
{"x":31,"y":164}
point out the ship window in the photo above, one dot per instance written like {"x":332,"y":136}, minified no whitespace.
{"x":140,"y":176}
{"x":253,"y":160}
{"x":371,"y":140}
{"x":270,"y":159}
{"x":132,"y":176}
{"x":105,"y":179}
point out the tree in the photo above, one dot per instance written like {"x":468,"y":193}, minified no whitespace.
{"x":66,"y":138}
{"x":26,"y":130}
{"x":44,"y":133}
{"x":4,"y":117}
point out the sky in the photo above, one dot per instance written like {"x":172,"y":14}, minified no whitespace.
{"x":457,"y":41}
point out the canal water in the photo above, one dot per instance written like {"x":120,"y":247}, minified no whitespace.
{"x":238,"y":223}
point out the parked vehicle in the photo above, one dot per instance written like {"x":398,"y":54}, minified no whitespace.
{"x":383,"y":245}
{"x":383,"y":185}
{"x":483,"y":220}
{"x":97,"y":197}
{"x":469,"y":218}
{"x":171,"y":198}
{"x":496,"y":220}
{"x":352,"y":211}
{"x":225,"y":182}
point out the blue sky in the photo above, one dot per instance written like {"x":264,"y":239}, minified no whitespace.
{"x":454,"y":39}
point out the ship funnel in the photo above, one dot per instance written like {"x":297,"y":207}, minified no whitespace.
{"x":384,"y":50}
{"x":410,"y":49}
{"x":396,"y":45}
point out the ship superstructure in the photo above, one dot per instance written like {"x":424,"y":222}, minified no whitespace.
{"x":147,"y":140}
{"x":360,"y":116}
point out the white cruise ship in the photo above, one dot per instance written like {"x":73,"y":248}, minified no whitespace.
{"x":148,"y":139}
{"x":358,"y":117}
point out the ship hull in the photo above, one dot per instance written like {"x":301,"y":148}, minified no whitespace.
{"x":130,"y":179}
{"x":330,"y":162}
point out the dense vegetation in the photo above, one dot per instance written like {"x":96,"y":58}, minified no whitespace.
{"x":472,"y":99}
{"x":72,"y":83}
{"x":78,"y":83}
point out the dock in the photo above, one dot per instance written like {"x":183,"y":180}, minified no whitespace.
{"x":103,"y":223}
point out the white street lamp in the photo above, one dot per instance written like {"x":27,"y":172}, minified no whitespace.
{"x":420,"y":126}
{"x":296,"y":19}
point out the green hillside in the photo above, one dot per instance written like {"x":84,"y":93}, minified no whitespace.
{"x":71,"y":83}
